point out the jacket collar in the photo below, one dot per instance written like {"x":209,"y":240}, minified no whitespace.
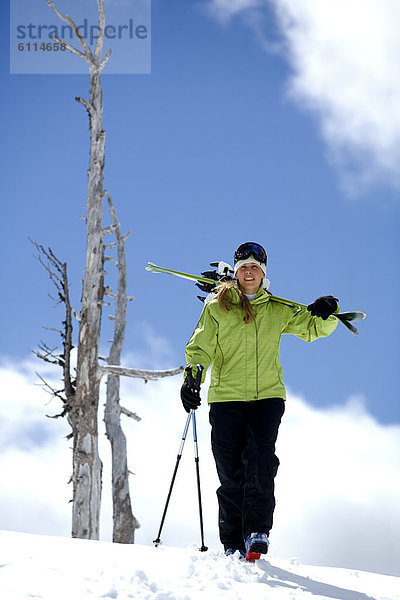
{"x":261,"y":296}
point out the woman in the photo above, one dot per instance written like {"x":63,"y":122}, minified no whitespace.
{"x":239,"y":333}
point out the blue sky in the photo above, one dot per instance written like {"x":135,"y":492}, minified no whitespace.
{"x":228,"y":139}
{"x":268,"y":120}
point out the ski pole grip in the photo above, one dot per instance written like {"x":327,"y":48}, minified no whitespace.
{"x":189,"y":376}
{"x":199,"y":374}
{"x":194,"y":384}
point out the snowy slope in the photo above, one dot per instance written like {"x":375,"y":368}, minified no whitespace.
{"x":55,"y":568}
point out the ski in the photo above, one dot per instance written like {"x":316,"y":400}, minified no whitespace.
{"x":354,"y":315}
{"x":156,"y":269}
{"x":344,"y":317}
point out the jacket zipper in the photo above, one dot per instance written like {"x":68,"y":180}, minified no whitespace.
{"x":255,"y":325}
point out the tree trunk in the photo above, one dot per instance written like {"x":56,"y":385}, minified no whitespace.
{"x":87,"y":465}
{"x":124,"y":523}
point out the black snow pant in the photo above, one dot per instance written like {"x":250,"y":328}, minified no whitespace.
{"x":243,"y":437}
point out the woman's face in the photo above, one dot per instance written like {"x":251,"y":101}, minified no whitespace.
{"x":249,"y":277}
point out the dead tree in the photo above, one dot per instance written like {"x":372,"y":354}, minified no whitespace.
{"x":82,"y":411}
{"x":87,"y":466}
{"x":123,"y":520}
{"x":124,"y":523}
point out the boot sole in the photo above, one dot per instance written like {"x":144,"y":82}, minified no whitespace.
{"x":255,"y":551}
{"x":252,"y":556}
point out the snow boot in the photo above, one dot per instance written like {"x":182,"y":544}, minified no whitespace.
{"x":256,"y":544}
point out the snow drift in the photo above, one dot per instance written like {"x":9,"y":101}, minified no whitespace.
{"x":49,"y":568}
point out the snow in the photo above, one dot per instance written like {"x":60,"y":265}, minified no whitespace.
{"x":49,"y":568}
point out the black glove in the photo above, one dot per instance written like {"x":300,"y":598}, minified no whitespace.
{"x":323,"y":307}
{"x":190,"y":390}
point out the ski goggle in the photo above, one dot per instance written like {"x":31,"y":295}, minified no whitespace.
{"x":251,"y":249}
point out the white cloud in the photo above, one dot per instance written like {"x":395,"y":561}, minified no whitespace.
{"x":344,"y":57}
{"x":35,"y":464}
{"x":225,"y":10}
{"x":338,"y":487}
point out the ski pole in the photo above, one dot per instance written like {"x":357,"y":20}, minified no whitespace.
{"x":196,"y":460}
{"x":195,"y":386}
{"x":157,"y":541}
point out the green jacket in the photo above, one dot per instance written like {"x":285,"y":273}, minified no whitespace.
{"x":245,"y":358}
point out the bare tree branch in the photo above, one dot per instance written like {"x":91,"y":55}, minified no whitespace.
{"x":58,"y":274}
{"x":89,"y":108}
{"x":67,"y":19}
{"x":47,"y":354}
{"x":71,"y":48}
{"x":105,"y":59}
{"x":129,"y":413}
{"x":147,"y":375}
{"x":101,"y":27}
{"x":108,"y":230}
{"x":50,"y":264}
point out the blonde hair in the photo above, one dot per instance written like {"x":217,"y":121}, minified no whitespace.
{"x":226,"y":301}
